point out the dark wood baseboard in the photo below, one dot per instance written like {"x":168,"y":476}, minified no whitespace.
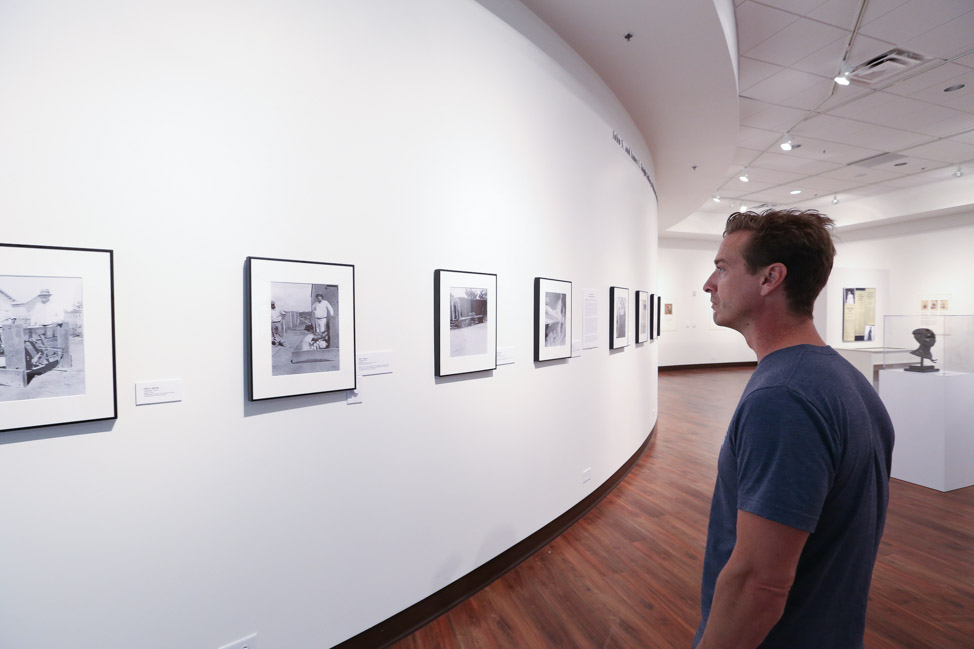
{"x":407,"y":621}
{"x":708,"y":366}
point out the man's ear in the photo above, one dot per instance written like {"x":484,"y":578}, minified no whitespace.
{"x":773,"y":277}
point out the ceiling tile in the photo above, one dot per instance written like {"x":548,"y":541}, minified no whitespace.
{"x":793,"y":163}
{"x":947,"y":40}
{"x":756,"y":23}
{"x":839,"y":13}
{"x":749,"y":107}
{"x":826,"y":185}
{"x":878,"y":8}
{"x":833,"y":152}
{"x":967,"y":138}
{"x":826,"y":61}
{"x":801,"y":7}
{"x":962,"y":99}
{"x":843,"y":95}
{"x":949,"y":151}
{"x":862,"y":175}
{"x":934,"y":74}
{"x":960,"y":123}
{"x":924,"y":118}
{"x":774,"y":118}
{"x":754,"y":138}
{"x":796,"y":41}
{"x":771,"y":175}
{"x":811,"y":98}
{"x":753,"y":71}
{"x":837,"y":129}
{"x":966,"y":61}
{"x":744,"y":157}
{"x":915,"y":18}
{"x":871,"y":107}
{"x":782,"y":85}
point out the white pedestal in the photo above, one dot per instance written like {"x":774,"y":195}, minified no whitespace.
{"x":867,"y":359}
{"x":933,"y":415}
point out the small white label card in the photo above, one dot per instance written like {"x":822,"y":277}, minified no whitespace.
{"x":371,"y":363}
{"x":505,"y":355}
{"x":147,"y":392}
{"x":353,"y":396}
{"x":590,"y":319}
{"x":576,"y":348}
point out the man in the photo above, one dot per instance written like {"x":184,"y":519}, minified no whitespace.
{"x":45,"y":313}
{"x":320,"y":310}
{"x":802,"y":478}
{"x":277,"y":325}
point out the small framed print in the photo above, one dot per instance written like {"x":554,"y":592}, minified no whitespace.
{"x":464,"y":322}
{"x":659,"y":315}
{"x":309,"y":346}
{"x":618,"y":317}
{"x":642,"y":316}
{"x":653,"y":316}
{"x":552,"y":319}
{"x":57,"y":336}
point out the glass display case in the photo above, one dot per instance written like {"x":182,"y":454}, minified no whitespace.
{"x":929,"y":343}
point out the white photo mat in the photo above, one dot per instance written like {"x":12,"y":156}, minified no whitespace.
{"x":544,"y":350}
{"x":447,"y":364}
{"x":94,"y":268}
{"x":261,"y":272}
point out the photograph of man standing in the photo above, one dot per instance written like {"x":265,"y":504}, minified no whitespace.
{"x":802,"y":485}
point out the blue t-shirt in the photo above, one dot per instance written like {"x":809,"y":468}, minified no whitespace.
{"x":809,"y":446}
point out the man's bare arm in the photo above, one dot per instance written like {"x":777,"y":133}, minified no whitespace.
{"x":752,"y":589}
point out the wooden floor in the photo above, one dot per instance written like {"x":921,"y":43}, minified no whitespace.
{"x":628,"y":574}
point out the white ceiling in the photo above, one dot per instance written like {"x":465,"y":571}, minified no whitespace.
{"x":789,"y":52}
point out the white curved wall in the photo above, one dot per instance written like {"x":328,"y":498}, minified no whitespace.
{"x":401,"y":137}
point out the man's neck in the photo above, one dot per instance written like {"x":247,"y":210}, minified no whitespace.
{"x":780,"y":333}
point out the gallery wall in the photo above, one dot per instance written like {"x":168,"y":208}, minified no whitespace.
{"x":906,"y":262}
{"x":400,"y":138}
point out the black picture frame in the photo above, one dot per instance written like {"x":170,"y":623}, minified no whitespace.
{"x":653,"y":316}
{"x":552,"y":319}
{"x":306,"y":348}
{"x":464,"y":322}
{"x":57,"y":335}
{"x":659,"y":315}
{"x":642,"y":317}
{"x":618,"y":317}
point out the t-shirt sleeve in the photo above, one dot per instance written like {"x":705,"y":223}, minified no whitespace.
{"x":785,"y":458}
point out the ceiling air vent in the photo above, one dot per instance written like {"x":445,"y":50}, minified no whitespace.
{"x":878,"y":160}
{"x":884,"y":66}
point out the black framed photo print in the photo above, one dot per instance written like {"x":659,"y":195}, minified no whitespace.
{"x":552,"y":319}
{"x":309,"y":345}
{"x":464,"y":322}
{"x":57,"y":336}
{"x":642,"y":316}
{"x":618,"y":317}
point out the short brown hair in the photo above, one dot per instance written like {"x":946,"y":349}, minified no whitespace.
{"x":801,"y":240}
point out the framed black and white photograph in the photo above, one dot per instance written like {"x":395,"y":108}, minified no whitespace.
{"x":642,"y":316}
{"x":309,"y":346}
{"x":653,"y":316}
{"x":464,"y":322}
{"x":552,"y":319}
{"x":618,"y":317}
{"x":659,"y":315}
{"x":57,"y":336}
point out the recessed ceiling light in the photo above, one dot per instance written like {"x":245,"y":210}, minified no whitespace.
{"x":955,"y":87}
{"x":795,"y":192}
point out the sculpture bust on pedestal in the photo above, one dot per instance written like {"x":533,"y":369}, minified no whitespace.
{"x":927,"y":339}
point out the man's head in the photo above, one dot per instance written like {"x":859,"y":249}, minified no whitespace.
{"x":272,"y":304}
{"x":319,"y":297}
{"x":799,"y":240}
{"x":44,"y":294}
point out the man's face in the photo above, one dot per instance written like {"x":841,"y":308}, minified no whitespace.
{"x":733,"y":290}
{"x":319,"y":298}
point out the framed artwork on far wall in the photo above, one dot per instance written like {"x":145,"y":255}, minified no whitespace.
{"x":57,"y":336}
{"x":552,"y":319}
{"x":309,"y":345}
{"x":464,"y":322}
{"x":642,"y":316}
{"x":618,"y":317}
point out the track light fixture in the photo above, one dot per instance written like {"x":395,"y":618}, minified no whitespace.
{"x":842,"y":78}
{"x":835,"y":199}
{"x":743,"y":176}
{"x":716,"y":198}
{"x":959,"y":172}
{"x":787,"y":144}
